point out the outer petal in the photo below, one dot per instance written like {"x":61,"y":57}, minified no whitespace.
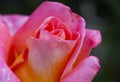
{"x":14,"y":22}
{"x":84,"y":72}
{"x":64,"y":13}
{"x":6,"y":75}
{"x":5,"y":40}
{"x":92,"y":39}
{"x":46,"y":60}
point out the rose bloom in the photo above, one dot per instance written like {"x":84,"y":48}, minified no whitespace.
{"x":51,"y":45}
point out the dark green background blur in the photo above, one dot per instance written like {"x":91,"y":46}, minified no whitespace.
{"x":99,"y":14}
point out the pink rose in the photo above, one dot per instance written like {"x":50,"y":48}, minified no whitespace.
{"x":52,"y":45}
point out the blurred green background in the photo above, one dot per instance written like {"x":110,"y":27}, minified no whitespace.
{"x":99,"y":14}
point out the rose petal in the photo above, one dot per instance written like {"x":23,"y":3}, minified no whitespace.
{"x":5,"y":39}
{"x":14,"y":22}
{"x":64,"y":13}
{"x":6,"y":75}
{"x":92,"y":39}
{"x":84,"y":72}
{"x":51,"y":24}
{"x":46,"y":60}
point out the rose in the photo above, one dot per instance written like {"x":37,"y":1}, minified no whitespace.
{"x":52,"y":45}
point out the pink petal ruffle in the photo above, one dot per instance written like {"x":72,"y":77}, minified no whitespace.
{"x":84,"y":72}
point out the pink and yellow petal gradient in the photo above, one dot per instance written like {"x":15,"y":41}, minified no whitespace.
{"x":50,"y":45}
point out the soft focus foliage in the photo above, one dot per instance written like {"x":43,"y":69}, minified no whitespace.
{"x":103,"y":15}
